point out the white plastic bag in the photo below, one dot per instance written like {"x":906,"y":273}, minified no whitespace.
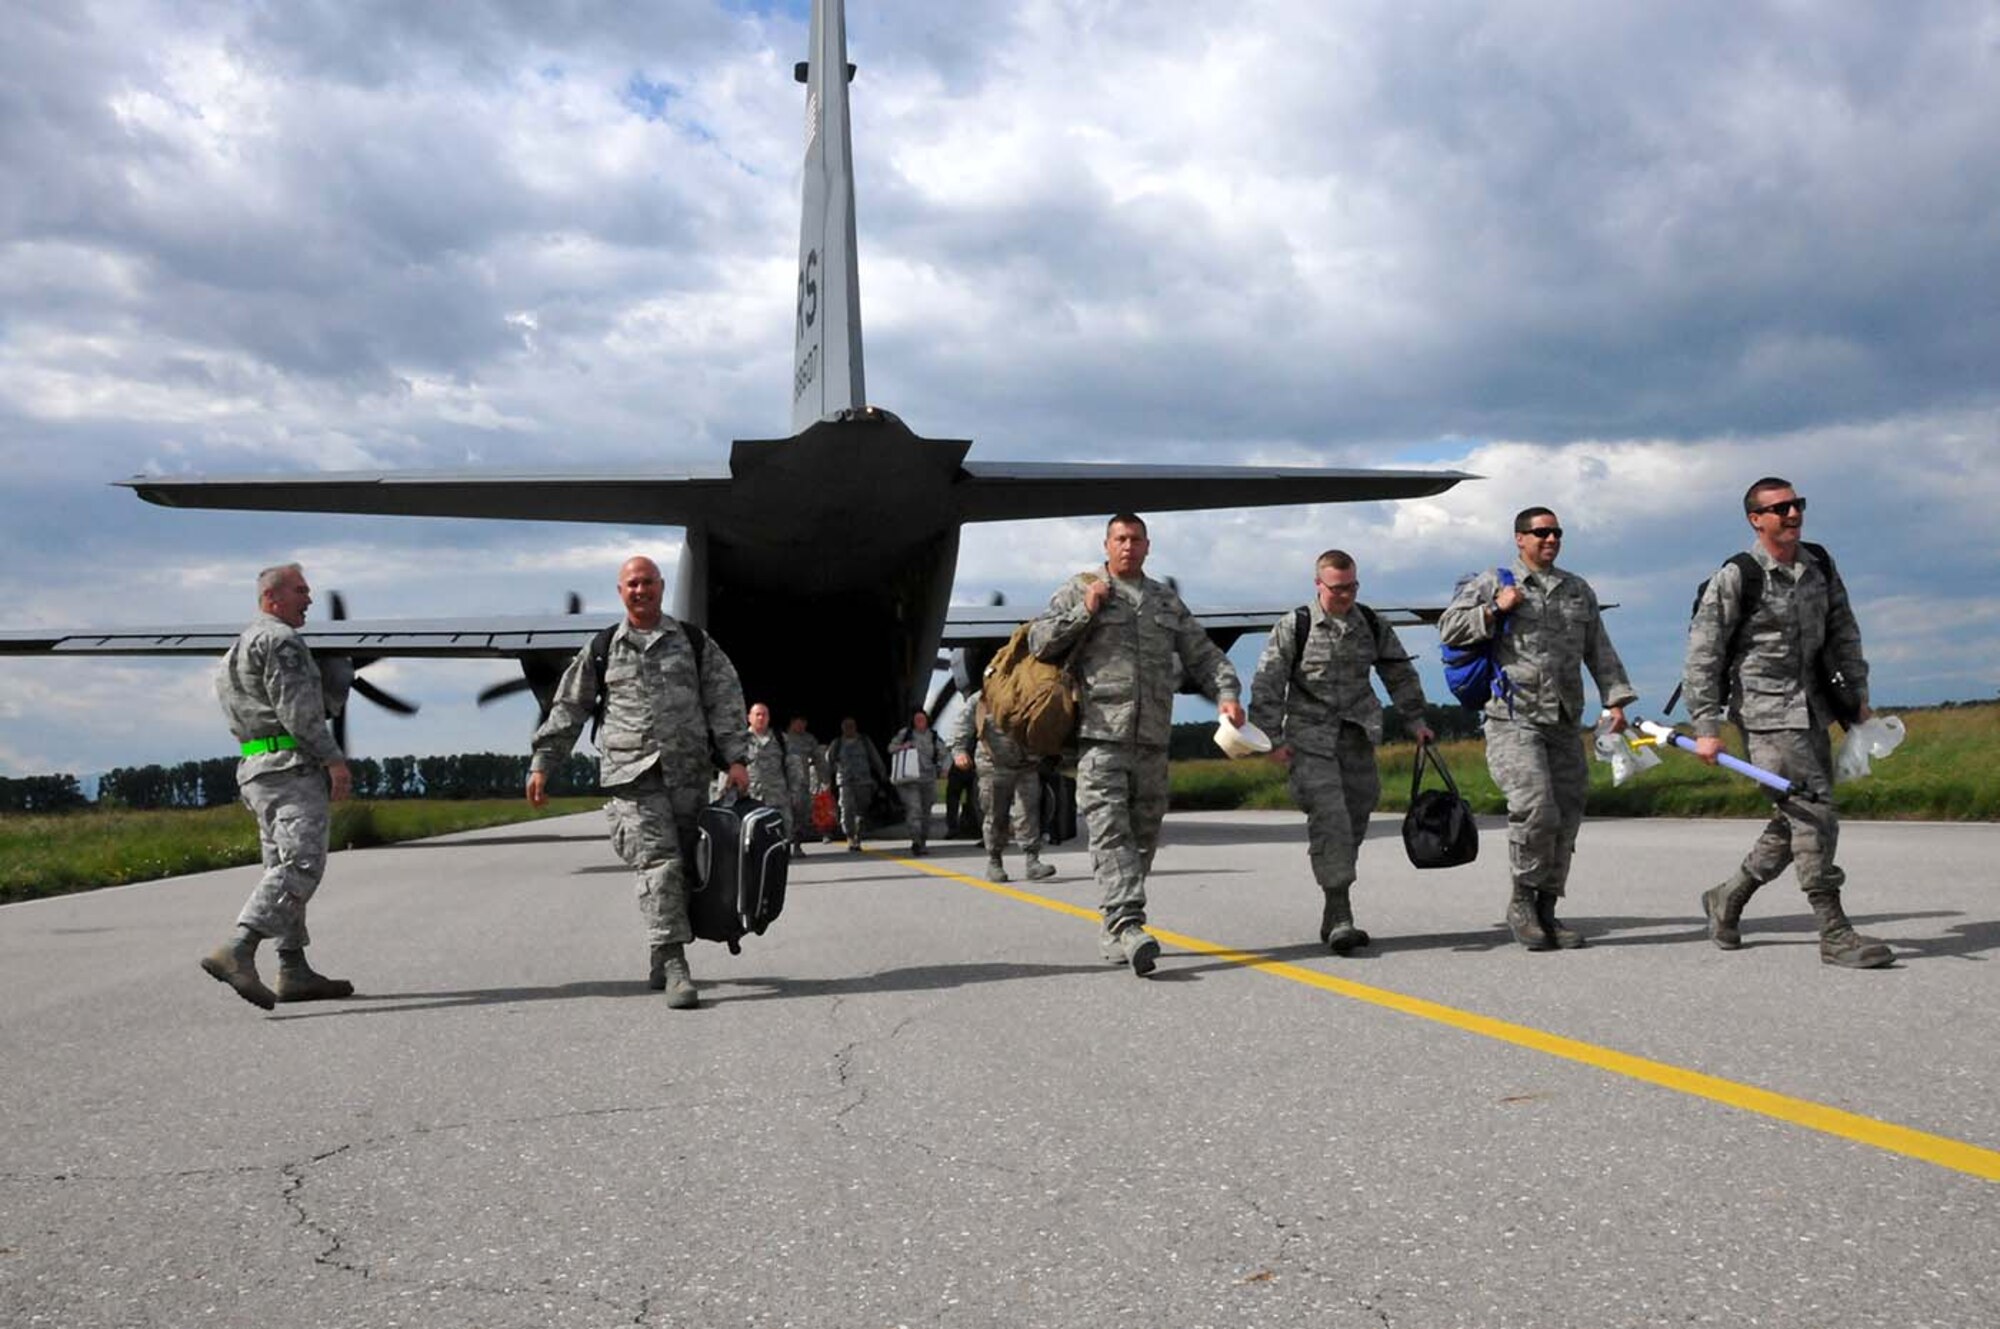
{"x":1626,"y":761}
{"x":1876,"y":736}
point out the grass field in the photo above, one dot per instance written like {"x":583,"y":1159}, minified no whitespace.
{"x":1948,"y":769}
{"x":73,"y":851}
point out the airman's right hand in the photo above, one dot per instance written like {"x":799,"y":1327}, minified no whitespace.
{"x":538,"y":794}
{"x":962,"y":760}
{"x":1095,"y":594}
{"x":340,"y":782}
{"x":1708,"y":749}
{"x":1507,"y":598}
{"x":1281,"y":755}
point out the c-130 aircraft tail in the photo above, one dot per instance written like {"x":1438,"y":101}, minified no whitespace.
{"x":823,"y":561}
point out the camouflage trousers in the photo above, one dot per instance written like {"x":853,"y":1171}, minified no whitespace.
{"x":917,"y":800}
{"x":855,"y":796}
{"x":293,"y":809}
{"x":801,"y":812}
{"x":1337,"y":794}
{"x":1542,"y":771}
{"x":1805,"y":830}
{"x":651,"y":826}
{"x":1010,"y":789}
{"x":1121,"y":793}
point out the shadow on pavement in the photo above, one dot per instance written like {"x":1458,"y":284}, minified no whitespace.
{"x":714,"y":991}
{"x":455,"y":840}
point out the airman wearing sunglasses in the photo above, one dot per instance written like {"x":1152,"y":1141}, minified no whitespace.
{"x":1764,"y":664}
{"x":1549,"y":628}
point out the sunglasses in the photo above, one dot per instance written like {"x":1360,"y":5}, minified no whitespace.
{"x":1542,"y":532}
{"x":1784,"y":509}
{"x":1342,"y":587}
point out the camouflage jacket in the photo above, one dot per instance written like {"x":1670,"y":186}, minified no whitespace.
{"x":855,"y":760}
{"x":656,"y":710}
{"x":988,"y":743}
{"x":932,"y":754}
{"x":770,"y":776}
{"x":1305,"y":707}
{"x":1772,"y":683}
{"x":1558,"y":630}
{"x":806,"y":760}
{"x":268,"y":685}
{"x":1130,"y":660}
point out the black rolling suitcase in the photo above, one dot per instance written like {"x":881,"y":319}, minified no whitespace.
{"x":741,"y":858}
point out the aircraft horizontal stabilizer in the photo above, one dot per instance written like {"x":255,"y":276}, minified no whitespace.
{"x":1014,"y":491}
{"x":495,"y":636}
{"x":649,"y":497}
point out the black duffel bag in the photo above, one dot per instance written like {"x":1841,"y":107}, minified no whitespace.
{"x":1438,"y":830}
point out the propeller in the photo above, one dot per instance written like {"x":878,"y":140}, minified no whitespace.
{"x":340,"y":674}
{"x":539,"y":673}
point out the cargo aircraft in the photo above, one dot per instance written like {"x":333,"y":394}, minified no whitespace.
{"x":823,"y":562}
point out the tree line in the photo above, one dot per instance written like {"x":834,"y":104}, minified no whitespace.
{"x":212,"y":783}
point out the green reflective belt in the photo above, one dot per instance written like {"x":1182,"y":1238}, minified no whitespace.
{"x":275,"y":743}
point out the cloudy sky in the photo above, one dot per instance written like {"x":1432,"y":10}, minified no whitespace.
{"x":1616,"y":259}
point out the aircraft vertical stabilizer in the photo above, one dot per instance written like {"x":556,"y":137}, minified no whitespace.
{"x":826,"y":375}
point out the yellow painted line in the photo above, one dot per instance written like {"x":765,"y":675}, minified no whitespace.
{"x":1941,"y":1150}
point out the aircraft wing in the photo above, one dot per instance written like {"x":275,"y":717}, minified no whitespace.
{"x":989,"y":625}
{"x":1011,"y":491}
{"x":643,"y":497}
{"x":498,"y":636}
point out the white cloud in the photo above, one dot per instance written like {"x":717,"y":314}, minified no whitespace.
{"x":1616,"y":260}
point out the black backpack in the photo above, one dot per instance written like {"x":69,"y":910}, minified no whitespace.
{"x":1438,"y":830}
{"x":1841,"y":698}
{"x":600,"y":660}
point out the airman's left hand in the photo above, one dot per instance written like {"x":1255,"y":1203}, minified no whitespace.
{"x":1234,"y":710}
{"x":739,"y":777}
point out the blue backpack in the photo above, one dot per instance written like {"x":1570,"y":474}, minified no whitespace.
{"x":1473,"y":673}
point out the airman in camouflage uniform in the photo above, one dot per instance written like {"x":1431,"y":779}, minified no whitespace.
{"x":1549,"y":627}
{"x":807,"y":767}
{"x":1769,"y":685}
{"x":769,"y":766}
{"x":918,"y":736}
{"x":1009,"y":783}
{"x":662,"y":709}
{"x":291,"y":768}
{"x":1131,"y":637}
{"x":857,"y":768}
{"x":1314,"y":698}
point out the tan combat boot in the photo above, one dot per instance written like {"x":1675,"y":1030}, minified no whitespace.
{"x":1565,"y":938}
{"x":235,"y":963}
{"x":297,"y":981}
{"x":1839,"y":943}
{"x":1524,"y":920}
{"x":1723,"y":903}
{"x":675,"y":978}
{"x":1336,"y":924}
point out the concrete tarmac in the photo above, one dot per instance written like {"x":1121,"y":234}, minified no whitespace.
{"x":923,"y":1101}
